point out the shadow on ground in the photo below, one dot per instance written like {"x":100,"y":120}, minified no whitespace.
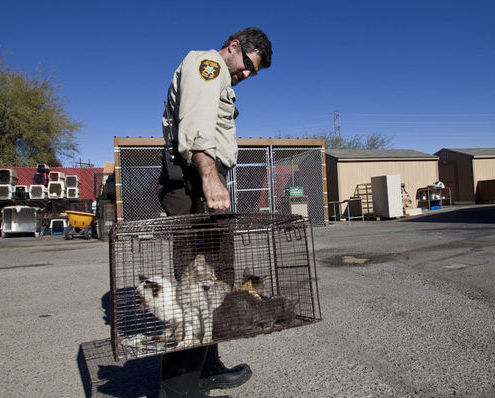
{"x":473,"y":215}
{"x":101,"y":376}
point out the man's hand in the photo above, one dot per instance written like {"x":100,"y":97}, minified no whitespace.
{"x":216,"y":195}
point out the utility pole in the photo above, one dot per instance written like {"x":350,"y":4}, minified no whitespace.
{"x":336,"y":123}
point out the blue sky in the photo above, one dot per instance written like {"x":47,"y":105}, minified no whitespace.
{"x":421,"y":72}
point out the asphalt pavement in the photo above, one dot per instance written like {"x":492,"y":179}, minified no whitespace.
{"x":408,"y":310}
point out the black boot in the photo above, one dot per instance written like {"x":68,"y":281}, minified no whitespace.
{"x":216,"y":375}
{"x":180,"y":372}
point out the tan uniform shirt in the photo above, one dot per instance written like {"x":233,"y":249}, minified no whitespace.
{"x":201,"y":102}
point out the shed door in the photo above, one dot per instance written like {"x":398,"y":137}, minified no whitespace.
{"x":449,"y":178}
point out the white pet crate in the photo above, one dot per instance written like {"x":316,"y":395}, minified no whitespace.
{"x":38,"y":192}
{"x":21,"y":219}
{"x":72,"y":193}
{"x":57,"y":176}
{"x":72,"y":181}
{"x":56,"y":190}
{"x":6,"y":191}
{"x":8,"y":176}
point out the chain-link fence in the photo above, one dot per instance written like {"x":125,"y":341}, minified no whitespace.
{"x":279,"y":180}
{"x":295,"y":168}
{"x":139,"y":170}
{"x":267,"y":179}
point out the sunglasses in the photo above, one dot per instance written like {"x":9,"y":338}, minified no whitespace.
{"x":248,"y":63}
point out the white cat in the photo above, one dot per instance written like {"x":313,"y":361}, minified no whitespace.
{"x":186,"y":308}
{"x":199,"y":293}
{"x":159,"y":296}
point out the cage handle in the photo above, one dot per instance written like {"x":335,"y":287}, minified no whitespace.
{"x":287,"y":234}
{"x":246,"y":239}
{"x":297,"y":233}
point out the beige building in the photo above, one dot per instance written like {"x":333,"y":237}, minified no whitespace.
{"x":349,"y":171}
{"x":469,"y":173}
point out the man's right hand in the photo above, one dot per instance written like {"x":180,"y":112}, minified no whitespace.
{"x":216,"y":195}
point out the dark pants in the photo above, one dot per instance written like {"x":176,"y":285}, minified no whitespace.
{"x":176,"y":200}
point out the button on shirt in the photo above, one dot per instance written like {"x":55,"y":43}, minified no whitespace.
{"x":201,"y":102}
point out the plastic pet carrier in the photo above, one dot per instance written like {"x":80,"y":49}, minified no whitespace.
{"x":43,"y":168}
{"x":58,"y":226}
{"x":189,"y":281}
{"x":72,"y":181}
{"x":40,"y":179}
{"x":38,"y":192}
{"x":21,"y":192}
{"x":57,"y":176}
{"x":8,"y":176}
{"x":6,"y":191}
{"x":56,"y":190}
{"x":72,"y":193}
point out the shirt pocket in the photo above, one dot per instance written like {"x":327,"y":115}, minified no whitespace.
{"x":226,"y":108}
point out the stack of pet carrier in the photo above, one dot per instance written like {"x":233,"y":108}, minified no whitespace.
{"x":39,"y":188}
{"x":72,"y":183}
{"x":56,"y":185}
{"x":188,"y":281}
{"x":8,"y":180}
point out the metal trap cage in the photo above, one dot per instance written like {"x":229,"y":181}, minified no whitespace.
{"x":188,"y":281}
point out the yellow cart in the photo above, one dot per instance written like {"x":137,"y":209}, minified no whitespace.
{"x":80,"y":224}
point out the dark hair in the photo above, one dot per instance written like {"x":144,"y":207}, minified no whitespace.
{"x":253,"y":40}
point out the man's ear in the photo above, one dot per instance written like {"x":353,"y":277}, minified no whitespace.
{"x":234,"y":45}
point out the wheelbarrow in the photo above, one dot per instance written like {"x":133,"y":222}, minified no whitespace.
{"x":80,"y":224}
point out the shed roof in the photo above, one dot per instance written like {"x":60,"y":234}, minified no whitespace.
{"x":473,"y":152}
{"x":354,"y":154}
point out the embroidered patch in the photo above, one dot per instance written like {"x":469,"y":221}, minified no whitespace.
{"x":209,"y":69}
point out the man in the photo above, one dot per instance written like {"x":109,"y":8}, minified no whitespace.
{"x":201,"y":147}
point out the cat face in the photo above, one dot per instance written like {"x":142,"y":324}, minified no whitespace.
{"x":199,"y":272}
{"x":254,"y":284}
{"x":148,"y":290}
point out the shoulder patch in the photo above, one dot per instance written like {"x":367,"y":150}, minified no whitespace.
{"x":209,"y":69}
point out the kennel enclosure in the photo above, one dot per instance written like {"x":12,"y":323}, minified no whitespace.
{"x":266,"y":169}
{"x":259,"y":277}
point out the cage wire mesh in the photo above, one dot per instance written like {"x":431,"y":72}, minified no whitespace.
{"x":188,"y":281}
{"x":257,"y":183}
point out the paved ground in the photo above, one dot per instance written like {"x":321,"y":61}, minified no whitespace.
{"x":408,"y":307}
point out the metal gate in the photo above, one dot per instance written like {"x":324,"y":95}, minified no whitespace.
{"x":249,"y":182}
{"x":263,"y":177}
{"x":259,"y":182}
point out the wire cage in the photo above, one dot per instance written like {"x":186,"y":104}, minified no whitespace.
{"x":189,"y":281}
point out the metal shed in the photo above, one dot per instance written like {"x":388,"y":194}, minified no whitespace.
{"x":266,"y":169}
{"x":469,"y":173}
{"x":349,"y":171}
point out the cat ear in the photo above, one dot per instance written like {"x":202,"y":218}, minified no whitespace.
{"x":142,"y":278}
{"x":200,"y":262}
